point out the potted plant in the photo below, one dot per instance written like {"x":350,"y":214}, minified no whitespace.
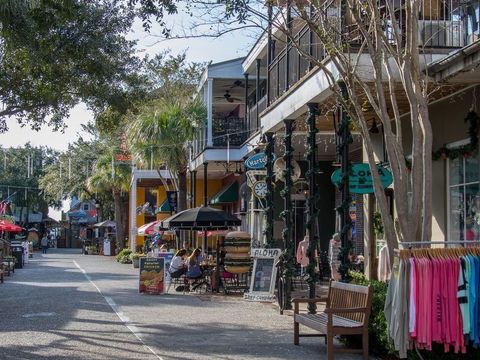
{"x":135,"y":257}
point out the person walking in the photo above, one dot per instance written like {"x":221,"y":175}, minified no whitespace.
{"x":44,"y":244}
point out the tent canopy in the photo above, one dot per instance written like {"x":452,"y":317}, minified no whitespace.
{"x":201,"y":218}
{"x":106,"y":224}
{"x":9,"y":227}
{"x":229,"y":194}
{"x":148,"y":229}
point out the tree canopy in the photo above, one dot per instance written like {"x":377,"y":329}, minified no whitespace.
{"x":54,"y":54}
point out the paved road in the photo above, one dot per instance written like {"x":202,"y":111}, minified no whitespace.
{"x":67,"y":306}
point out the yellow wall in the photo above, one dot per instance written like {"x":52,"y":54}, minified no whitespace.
{"x":214,"y":186}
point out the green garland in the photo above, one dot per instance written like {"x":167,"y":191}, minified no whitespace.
{"x":465,"y":150}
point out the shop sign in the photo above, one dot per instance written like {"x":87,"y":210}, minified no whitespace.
{"x":152,"y":270}
{"x":360,"y":178}
{"x":258,"y":161}
{"x":252,"y":174}
{"x":172,"y":200}
{"x":262,"y":285}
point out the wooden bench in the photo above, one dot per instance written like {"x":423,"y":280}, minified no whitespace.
{"x":346,"y":312}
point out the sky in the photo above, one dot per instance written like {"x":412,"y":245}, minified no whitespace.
{"x":230,"y":46}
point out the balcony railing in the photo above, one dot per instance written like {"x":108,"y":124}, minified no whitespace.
{"x":253,"y":112}
{"x":231,"y":131}
{"x":442,"y":24}
{"x":226,"y":132}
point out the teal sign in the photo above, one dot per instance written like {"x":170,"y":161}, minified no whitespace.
{"x":257,"y":161}
{"x":360,"y":178}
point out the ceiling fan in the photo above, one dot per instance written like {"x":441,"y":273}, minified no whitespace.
{"x":227,"y":96}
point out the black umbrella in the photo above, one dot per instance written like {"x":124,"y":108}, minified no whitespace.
{"x":201,"y":218}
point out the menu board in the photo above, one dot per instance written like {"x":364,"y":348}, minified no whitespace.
{"x":152,"y":272}
{"x":264,"y":273}
{"x":168,"y":256}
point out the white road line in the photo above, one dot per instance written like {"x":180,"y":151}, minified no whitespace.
{"x":126,"y":321}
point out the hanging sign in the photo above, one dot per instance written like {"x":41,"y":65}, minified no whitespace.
{"x":252,"y":176}
{"x":258,"y":161}
{"x":264,"y":273}
{"x":152,"y":270}
{"x":172,"y":200}
{"x":360,"y":178}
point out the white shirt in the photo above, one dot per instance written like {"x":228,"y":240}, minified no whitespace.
{"x":176,"y":264}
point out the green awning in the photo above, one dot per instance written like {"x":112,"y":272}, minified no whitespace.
{"x":229,"y":194}
{"x":164,"y":208}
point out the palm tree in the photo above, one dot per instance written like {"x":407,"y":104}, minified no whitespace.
{"x":114,"y":178}
{"x":159,"y":136}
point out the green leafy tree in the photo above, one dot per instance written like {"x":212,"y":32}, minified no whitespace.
{"x":21,"y":169}
{"x":54,"y":54}
{"x":159,"y":136}
{"x":114,"y":178}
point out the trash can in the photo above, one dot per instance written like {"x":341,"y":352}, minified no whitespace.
{"x":17,"y":253}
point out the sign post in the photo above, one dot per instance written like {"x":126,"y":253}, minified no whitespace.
{"x":360,"y":178}
{"x":262,"y":285}
{"x":152,"y":272}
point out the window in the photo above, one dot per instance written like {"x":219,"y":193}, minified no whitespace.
{"x":85,"y":207}
{"x":464,"y":198}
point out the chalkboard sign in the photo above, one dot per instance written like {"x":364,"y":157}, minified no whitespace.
{"x":264,"y":273}
{"x":152,"y":272}
{"x":262,"y":277}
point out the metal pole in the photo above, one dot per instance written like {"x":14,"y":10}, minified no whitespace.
{"x":191,"y":189}
{"x":205,"y":185}
{"x":247,"y":120}
{"x":287,"y":46}
{"x":344,"y":208}
{"x":258,"y":91}
{"x":269,"y":50}
{"x":269,"y":197}
{"x":312,"y":203}
{"x":287,"y":214}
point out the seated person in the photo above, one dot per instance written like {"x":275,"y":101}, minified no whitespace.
{"x":194,"y":271}
{"x":178,"y":266}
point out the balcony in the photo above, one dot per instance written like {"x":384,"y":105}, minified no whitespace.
{"x":226,"y":132}
{"x":443,"y":25}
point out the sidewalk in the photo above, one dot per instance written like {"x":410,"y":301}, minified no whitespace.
{"x":190,"y":326}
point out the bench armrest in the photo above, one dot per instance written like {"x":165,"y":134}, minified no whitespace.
{"x":297,"y":301}
{"x":345,"y":310}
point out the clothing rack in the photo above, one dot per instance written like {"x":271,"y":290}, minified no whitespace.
{"x":422,"y":243}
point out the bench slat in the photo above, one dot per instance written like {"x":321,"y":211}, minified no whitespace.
{"x":320,"y":321}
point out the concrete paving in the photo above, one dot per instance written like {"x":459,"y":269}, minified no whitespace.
{"x":65,"y":305}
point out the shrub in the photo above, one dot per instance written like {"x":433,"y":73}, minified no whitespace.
{"x":136,"y":255}
{"x":380,"y":344}
{"x":123,"y":256}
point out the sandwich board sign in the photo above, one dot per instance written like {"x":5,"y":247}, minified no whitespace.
{"x":264,"y":274}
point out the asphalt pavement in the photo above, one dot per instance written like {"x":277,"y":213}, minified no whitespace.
{"x":64,"y":305}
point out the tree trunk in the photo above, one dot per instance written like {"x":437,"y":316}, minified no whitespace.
{"x":182,"y":190}
{"x":120,"y":238}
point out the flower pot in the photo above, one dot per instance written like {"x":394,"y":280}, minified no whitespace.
{"x":136,"y":263}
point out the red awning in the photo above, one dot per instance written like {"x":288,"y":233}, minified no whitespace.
{"x":148,"y":229}
{"x":9,"y":227}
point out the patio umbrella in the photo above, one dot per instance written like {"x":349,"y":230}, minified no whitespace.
{"x":201,"y":218}
{"x":106,"y":224}
{"x":148,"y":229}
{"x":9,"y":227}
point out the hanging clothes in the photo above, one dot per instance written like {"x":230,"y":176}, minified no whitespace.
{"x":434,"y":297}
{"x":383,"y":264}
